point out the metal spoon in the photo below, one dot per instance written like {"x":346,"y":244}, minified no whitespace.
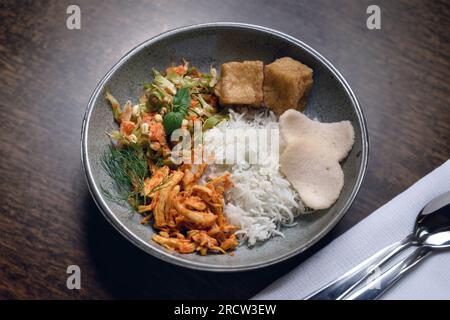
{"x":431,"y":231}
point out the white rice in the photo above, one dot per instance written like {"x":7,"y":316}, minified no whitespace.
{"x":262,"y":199}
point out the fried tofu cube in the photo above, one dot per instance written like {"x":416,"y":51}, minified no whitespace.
{"x":241,"y":83}
{"x":287,"y":83}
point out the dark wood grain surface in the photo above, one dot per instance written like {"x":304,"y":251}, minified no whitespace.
{"x":47,"y":217}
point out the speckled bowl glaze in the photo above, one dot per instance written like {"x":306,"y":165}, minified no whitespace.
{"x":215,"y":43}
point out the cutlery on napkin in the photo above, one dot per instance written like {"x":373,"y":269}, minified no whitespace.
{"x":388,"y":224}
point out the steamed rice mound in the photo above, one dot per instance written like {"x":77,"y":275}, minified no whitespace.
{"x":262,"y":199}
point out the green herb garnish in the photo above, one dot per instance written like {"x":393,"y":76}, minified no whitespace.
{"x":214,"y":120}
{"x":181,"y":100}
{"x":174,"y":118}
{"x":172,"y":121}
{"x":127,"y":167}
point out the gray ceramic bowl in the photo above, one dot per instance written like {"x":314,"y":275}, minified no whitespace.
{"x":214,"y":43}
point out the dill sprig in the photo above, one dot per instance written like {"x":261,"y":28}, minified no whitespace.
{"x":127,"y":167}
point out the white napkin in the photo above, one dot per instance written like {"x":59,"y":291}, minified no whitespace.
{"x":430,"y":279}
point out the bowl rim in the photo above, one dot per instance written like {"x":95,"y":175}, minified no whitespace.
{"x":160,"y":252}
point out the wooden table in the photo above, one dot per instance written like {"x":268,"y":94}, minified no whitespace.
{"x":48,"y":219}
